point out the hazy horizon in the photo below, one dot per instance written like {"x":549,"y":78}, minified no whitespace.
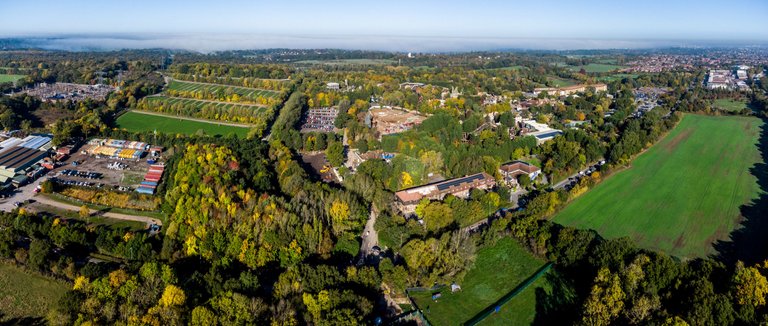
{"x":206,"y":43}
{"x":426,"y":26}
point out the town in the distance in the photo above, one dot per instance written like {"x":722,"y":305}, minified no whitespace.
{"x":299,"y":163}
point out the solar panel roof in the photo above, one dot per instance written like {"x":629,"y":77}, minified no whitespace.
{"x":456,"y":182}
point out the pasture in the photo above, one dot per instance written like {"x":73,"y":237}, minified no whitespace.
{"x":596,"y":67}
{"x":244,"y":92}
{"x":507,"y":68}
{"x":731,"y":105}
{"x":10,"y":78}
{"x":681,"y":195}
{"x":498,"y":270}
{"x":344,"y":62}
{"x":618,"y":76}
{"x":137,"y":122}
{"x":561,"y":82}
{"x":26,"y":294}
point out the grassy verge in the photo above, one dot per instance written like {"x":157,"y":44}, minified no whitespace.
{"x":96,"y":220}
{"x":731,"y":105}
{"x":10,"y":78}
{"x":498,"y":270}
{"x":27,"y":294}
{"x":71,"y":201}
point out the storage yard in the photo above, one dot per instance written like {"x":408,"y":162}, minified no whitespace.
{"x":69,"y":92}
{"x":114,"y":164}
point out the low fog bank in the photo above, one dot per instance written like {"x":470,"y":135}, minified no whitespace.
{"x":220,"y":42}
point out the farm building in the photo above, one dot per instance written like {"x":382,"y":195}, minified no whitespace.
{"x":33,"y":142}
{"x":406,"y":200}
{"x":10,"y":142}
{"x":116,"y":152}
{"x":511,"y":171}
{"x":541,"y":131}
{"x":65,"y":150}
{"x":36,"y":142}
{"x":117,"y":148}
{"x":544,"y":136}
{"x":14,"y":161}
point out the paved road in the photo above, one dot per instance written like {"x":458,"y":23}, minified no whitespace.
{"x":567,"y":180}
{"x":513,"y":198}
{"x":223,"y":123}
{"x":24,"y":193}
{"x":370,"y":236}
{"x":21,"y":195}
{"x":143,"y":219}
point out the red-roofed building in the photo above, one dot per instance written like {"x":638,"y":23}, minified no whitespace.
{"x":511,"y":171}
{"x":407,"y":200}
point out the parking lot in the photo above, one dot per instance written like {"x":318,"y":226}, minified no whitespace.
{"x":95,"y":171}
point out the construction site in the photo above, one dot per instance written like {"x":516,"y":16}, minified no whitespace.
{"x":388,"y":120}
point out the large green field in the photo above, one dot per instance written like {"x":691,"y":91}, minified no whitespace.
{"x":683,"y":194}
{"x":244,"y":92}
{"x":596,"y":67}
{"x":561,"y":82}
{"x":508,"y":68}
{"x":133,"y":121}
{"x":732,"y":105}
{"x":618,"y":76}
{"x":10,"y":78}
{"x":344,"y":62}
{"x":25,"y":294}
{"x":498,"y":270}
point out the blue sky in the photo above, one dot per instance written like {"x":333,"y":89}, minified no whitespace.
{"x":391,"y":20}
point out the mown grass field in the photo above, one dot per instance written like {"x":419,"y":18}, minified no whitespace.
{"x":562,"y":82}
{"x":10,"y":78}
{"x":498,"y":270}
{"x":613,"y":77}
{"x":344,"y":62}
{"x":508,"y":68}
{"x":683,"y":194}
{"x":245,"y":92}
{"x":138,"y":122}
{"x":25,"y":294}
{"x":596,"y":67}
{"x":731,"y":105}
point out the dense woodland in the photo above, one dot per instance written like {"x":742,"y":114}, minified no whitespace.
{"x":250,"y":237}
